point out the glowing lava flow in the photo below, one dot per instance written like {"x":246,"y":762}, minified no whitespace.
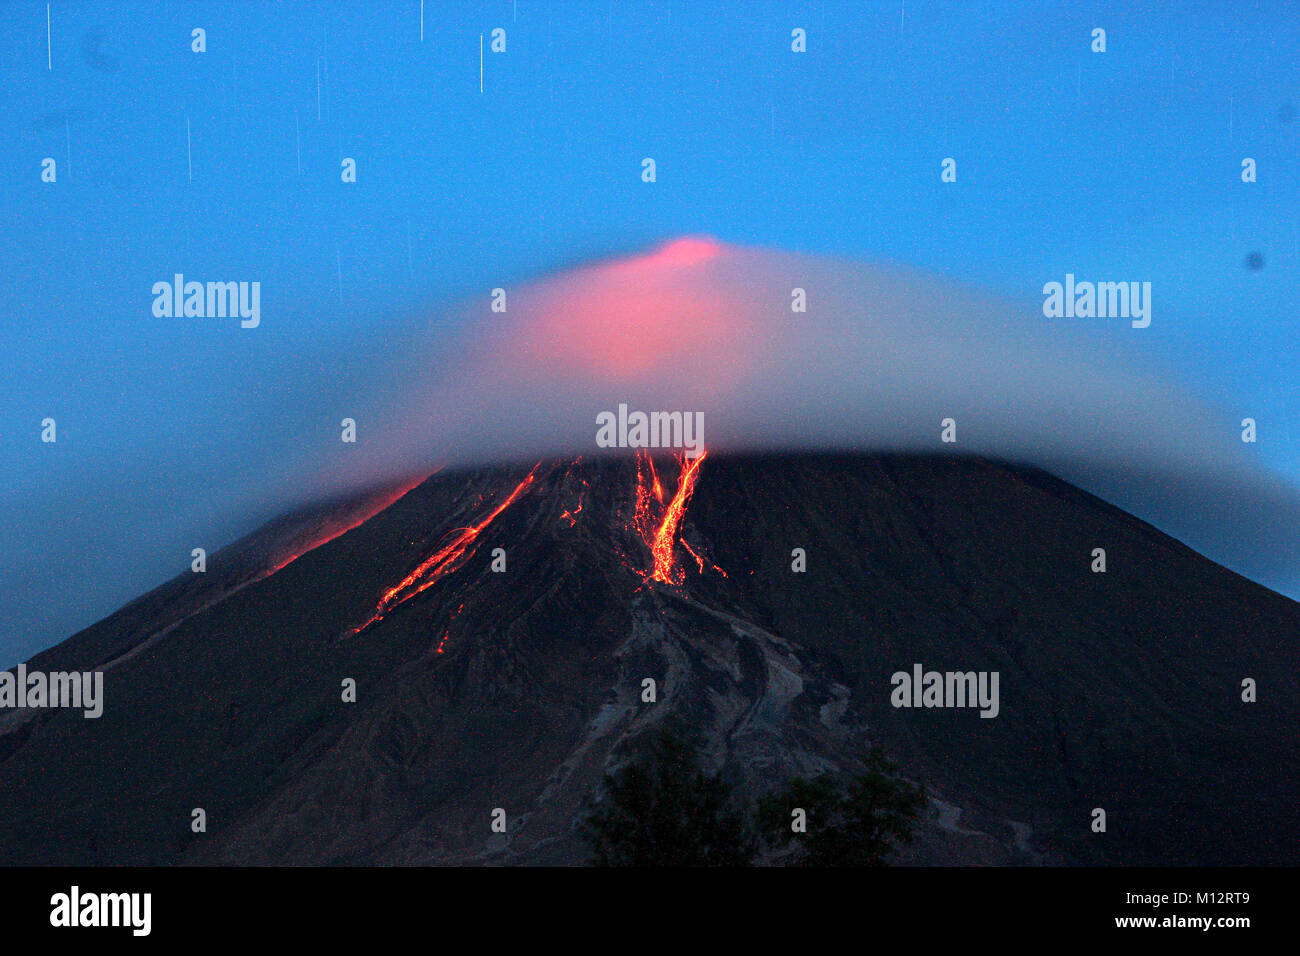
{"x":571,"y":515}
{"x":443,"y":561}
{"x":351,"y":517}
{"x":442,"y":644}
{"x":661,"y":536}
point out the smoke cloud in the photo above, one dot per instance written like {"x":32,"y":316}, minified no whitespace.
{"x":879,"y":358}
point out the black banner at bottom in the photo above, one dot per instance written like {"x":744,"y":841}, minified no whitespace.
{"x":336,"y":905}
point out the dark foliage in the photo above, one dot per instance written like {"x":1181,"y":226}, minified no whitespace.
{"x":661,"y":809}
{"x":854,"y":825}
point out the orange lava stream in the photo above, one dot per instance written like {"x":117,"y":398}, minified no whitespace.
{"x":661,"y":536}
{"x":442,"y":644}
{"x":572,"y":514}
{"x":701,"y":560}
{"x":659,"y":489}
{"x":443,"y":561}
{"x":340,"y":527}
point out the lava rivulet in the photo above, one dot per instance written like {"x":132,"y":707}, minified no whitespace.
{"x":657,"y":524}
{"x":353,"y":516}
{"x":571,"y":514}
{"x":443,"y":561}
{"x":442,"y":644}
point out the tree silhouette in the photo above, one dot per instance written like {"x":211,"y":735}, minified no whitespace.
{"x":854,"y":825}
{"x":661,"y":809}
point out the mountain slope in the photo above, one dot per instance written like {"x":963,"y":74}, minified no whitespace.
{"x":518,"y":689}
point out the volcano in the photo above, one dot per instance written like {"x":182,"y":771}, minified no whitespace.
{"x":499,"y":625}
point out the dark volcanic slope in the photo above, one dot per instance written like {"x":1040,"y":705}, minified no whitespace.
{"x":518,"y":689}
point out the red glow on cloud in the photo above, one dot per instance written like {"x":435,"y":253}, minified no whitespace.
{"x":632,"y":320}
{"x":687,"y":251}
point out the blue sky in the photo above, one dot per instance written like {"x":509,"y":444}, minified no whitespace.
{"x":1113,"y":166}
